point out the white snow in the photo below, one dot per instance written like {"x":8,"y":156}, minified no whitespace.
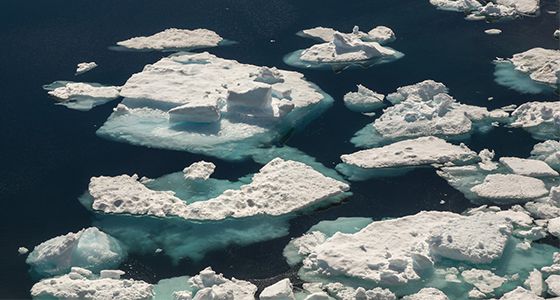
{"x":81,"y":284}
{"x":211,"y":285}
{"x":174,"y":39}
{"x":80,"y":95}
{"x":282,"y":290}
{"x":85,"y":67}
{"x":541,"y":119}
{"x":510,"y":188}
{"x":528,"y":167}
{"x":554,"y":227}
{"x":201,"y":103}
{"x":364,"y":100}
{"x":199,"y":170}
{"x":88,"y":248}
{"x":280,"y":187}
{"x":427,"y":294}
{"x":414,"y":152}
{"x":397,"y":251}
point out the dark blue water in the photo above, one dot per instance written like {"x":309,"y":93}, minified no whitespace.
{"x":48,"y":153}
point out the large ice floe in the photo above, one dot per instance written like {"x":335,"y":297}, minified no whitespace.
{"x":173,"y":39}
{"x":80,"y":95}
{"x":342,"y":50}
{"x":426,"y":109}
{"x":209,"y":213}
{"x":541,"y":119}
{"x":490,"y":10}
{"x":477,"y":254}
{"x":403,"y":156}
{"x":533,"y":71}
{"x":204,"y":104}
{"x":88,"y":248}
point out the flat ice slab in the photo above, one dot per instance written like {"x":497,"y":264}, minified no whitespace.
{"x":414,"y":152}
{"x":528,"y":167}
{"x":173,"y":39}
{"x":80,"y":95}
{"x":510,"y":187}
{"x":495,"y":9}
{"x":204,"y":104}
{"x":85,"y":67}
{"x":541,"y":119}
{"x":364,"y":100}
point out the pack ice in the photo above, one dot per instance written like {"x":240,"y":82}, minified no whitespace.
{"x":204,"y":104}
{"x":342,"y":50}
{"x":173,"y":39}
{"x":490,"y":10}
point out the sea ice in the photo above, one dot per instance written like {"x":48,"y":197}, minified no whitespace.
{"x":85,"y":67}
{"x":533,"y":71}
{"x":494,"y":9}
{"x":81,"y":96}
{"x":83,"y":285}
{"x":549,"y":152}
{"x":541,"y":119}
{"x":528,"y":167}
{"x":425,"y":109}
{"x":88,"y":248}
{"x":201,"y":170}
{"x":343,"y":50}
{"x":492,"y":31}
{"x":282,"y":290}
{"x":364,"y":100}
{"x":427,"y":294}
{"x":173,"y":39}
{"x":204,"y":104}
{"x":23,"y":250}
{"x":403,"y":156}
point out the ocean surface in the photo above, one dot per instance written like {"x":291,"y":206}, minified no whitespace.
{"x":48,"y":152}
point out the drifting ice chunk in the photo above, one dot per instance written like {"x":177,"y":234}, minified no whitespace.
{"x":553,"y":283}
{"x":510,"y":188}
{"x":520,"y":294}
{"x":85,"y":67}
{"x":427,"y":294}
{"x":492,"y":31}
{"x":528,"y":167}
{"x":322,"y":33}
{"x":23,"y":250}
{"x":204,"y":111}
{"x":174,"y":39}
{"x":485,"y":281}
{"x":549,"y":152}
{"x":415,"y":152}
{"x":492,"y":10}
{"x":199,"y":170}
{"x":80,"y":284}
{"x":540,"y":65}
{"x":201,"y":79}
{"x":282,"y":290}
{"x":541,"y":119}
{"x":364,"y":100}
{"x":535,"y":282}
{"x":216,"y":286}
{"x":381,"y":34}
{"x":89,"y":248}
{"x":81,"y":96}
{"x":420,"y":110}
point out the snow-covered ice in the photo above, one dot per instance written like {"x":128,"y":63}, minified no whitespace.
{"x":81,"y":96}
{"x":88,"y":248}
{"x":533,"y":71}
{"x":199,"y":170}
{"x":549,"y":152}
{"x":492,"y":31}
{"x":528,"y":167}
{"x":204,"y":104}
{"x":173,"y":39}
{"x":281,"y":290}
{"x":425,"y":109}
{"x":82,"y":284}
{"x":541,"y":119}
{"x":364,"y":100}
{"x":491,"y":10}
{"x":85,"y":67}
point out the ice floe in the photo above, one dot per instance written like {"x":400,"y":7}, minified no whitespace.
{"x":210,"y":213}
{"x":492,"y":31}
{"x":173,"y":39}
{"x":495,"y":9}
{"x":81,"y":96}
{"x":342,"y":50}
{"x":199,"y":170}
{"x":541,"y":119}
{"x":425,"y":109}
{"x":88,"y":248}
{"x":402,"y":156}
{"x":282,"y":290}
{"x":364,"y":100}
{"x":549,"y":152}
{"x":204,"y":104}
{"x":85,"y":67}
{"x":82,"y":284}
{"x":533,"y":71}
